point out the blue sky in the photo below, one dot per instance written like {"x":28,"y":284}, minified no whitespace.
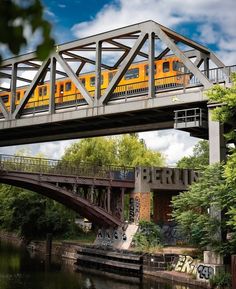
{"x":209,"y":22}
{"x":64,"y":14}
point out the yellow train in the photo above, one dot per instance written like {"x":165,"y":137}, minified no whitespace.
{"x":168,"y":72}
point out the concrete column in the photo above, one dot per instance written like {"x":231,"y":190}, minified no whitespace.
{"x":140,"y":203}
{"x":217,"y":147}
{"x":217,"y":153}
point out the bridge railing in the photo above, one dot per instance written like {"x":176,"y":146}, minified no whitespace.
{"x":60,"y":167}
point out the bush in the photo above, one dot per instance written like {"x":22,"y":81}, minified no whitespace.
{"x":148,"y":236}
{"x":221,"y":281}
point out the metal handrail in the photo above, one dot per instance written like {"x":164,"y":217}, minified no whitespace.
{"x":61,"y":167}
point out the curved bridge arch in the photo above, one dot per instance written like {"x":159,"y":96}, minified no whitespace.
{"x":32,"y":182}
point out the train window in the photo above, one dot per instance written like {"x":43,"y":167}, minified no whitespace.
{"x":146,"y":68}
{"x":18,"y":96}
{"x":44,"y":90}
{"x":5,"y":98}
{"x":132,"y":73}
{"x":166,"y":66}
{"x":68,"y":86}
{"x":40,"y":91}
{"x":92,"y":80}
{"x":178,"y":66}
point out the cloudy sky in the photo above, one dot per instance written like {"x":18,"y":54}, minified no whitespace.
{"x":210,"y":22}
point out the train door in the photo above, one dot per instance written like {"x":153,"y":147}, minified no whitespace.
{"x":61,"y":92}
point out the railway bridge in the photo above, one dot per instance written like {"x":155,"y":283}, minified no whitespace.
{"x":98,"y":192}
{"x":176,"y":100}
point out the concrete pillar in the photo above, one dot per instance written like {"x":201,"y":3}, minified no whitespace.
{"x":217,"y":147}
{"x":140,"y":203}
{"x":217,"y":153}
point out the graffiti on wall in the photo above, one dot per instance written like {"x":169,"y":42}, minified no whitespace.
{"x":172,"y":235}
{"x":134,"y":209}
{"x":205,"y":272}
{"x":107,"y":237}
{"x":186,"y":264}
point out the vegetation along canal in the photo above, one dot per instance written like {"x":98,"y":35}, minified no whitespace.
{"x":19,"y":269}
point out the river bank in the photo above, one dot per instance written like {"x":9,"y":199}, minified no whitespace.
{"x":153,"y":265}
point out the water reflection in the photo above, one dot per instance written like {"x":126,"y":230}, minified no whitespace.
{"x":19,"y":270}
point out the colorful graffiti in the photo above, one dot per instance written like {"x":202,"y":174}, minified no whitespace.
{"x":186,"y":264}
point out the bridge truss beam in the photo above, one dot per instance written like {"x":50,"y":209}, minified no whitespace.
{"x":116,"y":49}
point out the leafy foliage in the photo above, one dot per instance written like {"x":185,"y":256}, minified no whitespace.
{"x":191,"y":210}
{"x":199,"y":159}
{"x":33,"y":215}
{"x":221,"y":281}
{"x":17,"y":17}
{"x":226,"y":97}
{"x":127,"y":150}
{"x":149,"y":236}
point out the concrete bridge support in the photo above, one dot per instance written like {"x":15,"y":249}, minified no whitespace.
{"x":217,"y":153}
{"x":140,"y":198}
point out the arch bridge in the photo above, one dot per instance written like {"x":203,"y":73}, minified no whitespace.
{"x":95,"y":192}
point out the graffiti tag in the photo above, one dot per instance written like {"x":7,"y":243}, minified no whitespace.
{"x":205,"y":272}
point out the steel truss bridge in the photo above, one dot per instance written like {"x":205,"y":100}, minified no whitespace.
{"x":117,"y":109}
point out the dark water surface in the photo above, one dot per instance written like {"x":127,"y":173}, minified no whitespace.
{"x":20,"y":270}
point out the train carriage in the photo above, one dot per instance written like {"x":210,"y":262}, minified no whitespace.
{"x":168,"y":72}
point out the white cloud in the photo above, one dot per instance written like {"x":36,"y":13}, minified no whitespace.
{"x":52,"y":150}
{"x":173,"y":144}
{"x":215,"y":19}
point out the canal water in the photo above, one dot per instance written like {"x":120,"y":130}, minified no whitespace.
{"x":20,"y":269}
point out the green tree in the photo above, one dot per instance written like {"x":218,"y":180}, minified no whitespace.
{"x":199,"y":159}
{"x":148,"y":236}
{"x":191,"y":210}
{"x":16,"y":17}
{"x":132,"y":151}
{"x":100,"y":151}
{"x":33,"y":215}
{"x":126,"y":150}
{"x":225,"y":112}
